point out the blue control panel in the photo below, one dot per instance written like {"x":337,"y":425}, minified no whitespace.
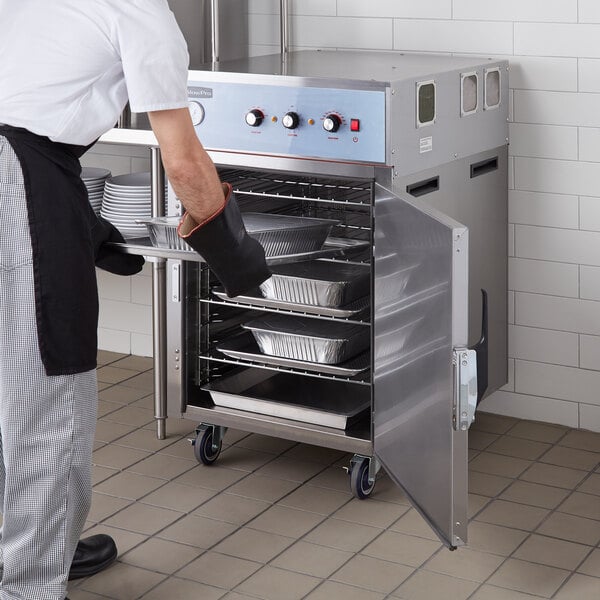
{"x":306,"y":122}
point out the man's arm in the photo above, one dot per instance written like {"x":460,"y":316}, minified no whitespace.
{"x":236,"y":259}
{"x":187,"y":165}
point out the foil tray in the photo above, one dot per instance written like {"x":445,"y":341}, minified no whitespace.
{"x":318,"y":283}
{"x":244,"y":347}
{"x":308,"y":340}
{"x":285,"y":234}
{"x":278,"y":234}
{"x":333,"y":404}
{"x":256,"y":299}
{"x":163,"y":233}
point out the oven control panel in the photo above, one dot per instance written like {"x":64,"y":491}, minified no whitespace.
{"x":303,"y":122}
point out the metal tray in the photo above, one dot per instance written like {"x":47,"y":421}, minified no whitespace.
{"x":285,"y":234}
{"x":304,"y":339}
{"x":244,"y":347}
{"x":318,"y":283}
{"x":255,"y":299}
{"x":333,"y":247}
{"x":332,"y":404}
{"x":278,"y":234}
{"x":163,"y":233}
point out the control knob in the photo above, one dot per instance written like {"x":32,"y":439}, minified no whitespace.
{"x":290,"y":120}
{"x":332,"y":123}
{"x":196,"y":112}
{"x":254,"y":117}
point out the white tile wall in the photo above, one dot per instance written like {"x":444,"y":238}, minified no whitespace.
{"x":537,"y":408}
{"x":561,"y":11}
{"x":589,"y":144}
{"x":590,"y":282}
{"x":543,"y":277}
{"x":589,"y":213}
{"x":546,"y":210}
{"x":589,"y":11}
{"x":542,"y":345}
{"x":453,"y":36}
{"x":405,"y":9}
{"x":540,"y":73}
{"x":589,"y":352}
{"x":553,"y":381}
{"x":589,"y":74}
{"x":544,"y":141}
{"x":554,"y":176}
{"x":589,"y":417}
{"x":553,"y":39}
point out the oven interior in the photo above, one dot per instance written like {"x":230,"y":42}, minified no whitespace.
{"x":209,"y":319}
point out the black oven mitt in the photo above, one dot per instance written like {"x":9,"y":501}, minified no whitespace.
{"x":109,"y":258}
{"x":222,"y":240}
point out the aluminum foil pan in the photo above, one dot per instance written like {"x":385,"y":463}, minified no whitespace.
{"x":163,"y":233}
{"x":318,"y":283}
{"x":310,"y":340}
{"x":278,"y":234}
{"x":283,"y":234}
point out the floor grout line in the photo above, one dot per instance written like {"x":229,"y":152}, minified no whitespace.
{"x":507,"y":424}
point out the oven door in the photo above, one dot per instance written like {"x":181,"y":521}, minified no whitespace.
{"x":420,"y":316}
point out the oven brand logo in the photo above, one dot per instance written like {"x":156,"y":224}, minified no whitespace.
{"x":200,"y":92}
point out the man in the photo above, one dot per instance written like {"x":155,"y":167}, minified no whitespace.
{"x":67,"y":69}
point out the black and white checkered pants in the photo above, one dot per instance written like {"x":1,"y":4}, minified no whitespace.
{"x":46,"y":423}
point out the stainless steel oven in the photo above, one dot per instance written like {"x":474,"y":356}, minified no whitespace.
{"x":408,"y":155}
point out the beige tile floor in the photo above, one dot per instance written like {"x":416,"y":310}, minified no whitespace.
{"x":275,"y":520}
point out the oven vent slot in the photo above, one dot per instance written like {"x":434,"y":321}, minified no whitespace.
{"x":483,"y":167}
{"x":492,"y":88}
{"x":420,"y":188}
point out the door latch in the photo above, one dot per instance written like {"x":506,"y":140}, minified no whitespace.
{"x":465,"y":392}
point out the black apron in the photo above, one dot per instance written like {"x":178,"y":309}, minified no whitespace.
{"x":66,"y":237}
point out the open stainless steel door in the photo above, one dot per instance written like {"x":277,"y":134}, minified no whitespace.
{"x":420,"y":316}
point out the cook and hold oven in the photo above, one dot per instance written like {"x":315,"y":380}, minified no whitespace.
{"x":408,"y":154}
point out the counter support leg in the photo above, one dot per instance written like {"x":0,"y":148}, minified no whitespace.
{"x":159,"y":304}
{"x":159,"y":276}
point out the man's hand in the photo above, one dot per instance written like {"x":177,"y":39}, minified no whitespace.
{"x":188,"y":167}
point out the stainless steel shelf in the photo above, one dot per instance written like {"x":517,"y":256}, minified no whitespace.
{"x":286,"y":369}
{"x":333,"y":247}
{"x":357,"y":439}
{"x":245,"y":348}
{"x":349,"y":313}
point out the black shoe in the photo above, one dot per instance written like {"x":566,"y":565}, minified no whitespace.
{"x":92,"y":555}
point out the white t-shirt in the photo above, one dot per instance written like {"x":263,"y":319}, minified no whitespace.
{"x":67,"y":67}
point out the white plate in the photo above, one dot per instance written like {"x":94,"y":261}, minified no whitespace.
{"x":127,"y":194}
{"x":134,"y":180}
{"x":141,"y":201}
{"x":121,"y":216}
{"x":94,"y":173}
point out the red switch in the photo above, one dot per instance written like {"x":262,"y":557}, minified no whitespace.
{"x":354,"y":124}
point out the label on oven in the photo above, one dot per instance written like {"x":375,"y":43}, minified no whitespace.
{"x":200,"y":92}
{"x":426,"y":144}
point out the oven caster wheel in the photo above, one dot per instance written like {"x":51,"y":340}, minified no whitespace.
{"x":208,"y":443}
{"x":361,"y":482}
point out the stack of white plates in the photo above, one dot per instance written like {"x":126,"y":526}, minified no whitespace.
{"x":94,"y":179}
{"x":127,"y":200}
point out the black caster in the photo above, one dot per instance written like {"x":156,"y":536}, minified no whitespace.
{"x":208,"y":443}
{"x":361,"y":484}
